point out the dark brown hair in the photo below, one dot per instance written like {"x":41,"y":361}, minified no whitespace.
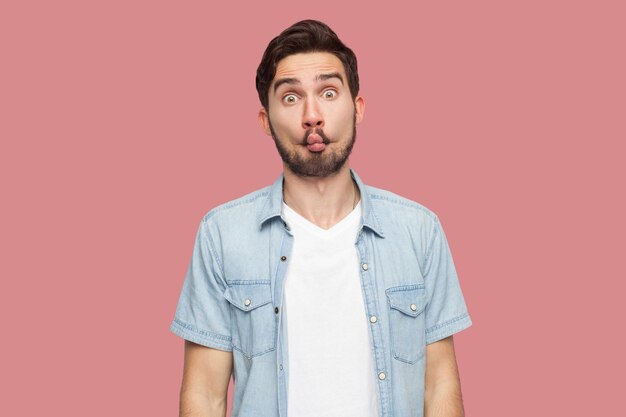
{"x":301,"y":37}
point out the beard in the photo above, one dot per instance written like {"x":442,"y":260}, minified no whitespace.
{"x":315,"y":164}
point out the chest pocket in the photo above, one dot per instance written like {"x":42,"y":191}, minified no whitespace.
{"x":407,"y":322}
{"x":254,"y":325}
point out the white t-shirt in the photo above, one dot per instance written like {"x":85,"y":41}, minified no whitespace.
{"x":331,"y":366}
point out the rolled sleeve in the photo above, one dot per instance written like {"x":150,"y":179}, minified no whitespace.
{"x":446,"y":311}
{"x":203,"y":314}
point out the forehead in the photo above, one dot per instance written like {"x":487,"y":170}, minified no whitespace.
{"x":309,"y":65}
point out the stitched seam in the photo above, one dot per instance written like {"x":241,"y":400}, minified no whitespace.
{"x":396,"y":357}
{"x":431,"y":246}
{"x":206,"y":333}
{"x":405,"y":288}
{"x":211,"y":247}
{"x":247,"y":356}
{"x":249,"y":282}
{"x":405,"y":203}
{"x":447,"y":323}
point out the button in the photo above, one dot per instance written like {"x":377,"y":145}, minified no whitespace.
{"x":281,"y":367}
{"x":283,"y":258}
{"x":276,"y":310}
{"x":382,"y":376}
{"x":247,"y":303}
{"x":413,"y":307}
{"x":373,"y":319}
{"x":365,"y":266}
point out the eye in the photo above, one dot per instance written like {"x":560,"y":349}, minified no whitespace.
{"x":290,"y":98}
{"x":330,"y":94}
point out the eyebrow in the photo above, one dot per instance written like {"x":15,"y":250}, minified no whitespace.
{"x":324,"y":77}
{"x":295,"y":81}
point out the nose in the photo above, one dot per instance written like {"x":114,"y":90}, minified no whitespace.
{"x":312,"y":116}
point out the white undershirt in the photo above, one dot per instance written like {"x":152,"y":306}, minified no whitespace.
{"x":331,"y":366}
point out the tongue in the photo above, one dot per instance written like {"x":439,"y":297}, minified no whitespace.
{"x":315,"y":143}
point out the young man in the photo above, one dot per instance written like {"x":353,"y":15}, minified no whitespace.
{"x":320,"y":295}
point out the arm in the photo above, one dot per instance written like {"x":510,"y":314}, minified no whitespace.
{"x":206,"y":375}
{"x":442,"y":390}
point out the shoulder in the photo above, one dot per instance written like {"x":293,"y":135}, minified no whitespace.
{"x":242,"y":209}
{"x":389,"y":205}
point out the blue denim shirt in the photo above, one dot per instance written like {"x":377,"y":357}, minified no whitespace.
{"x":233,"y":293}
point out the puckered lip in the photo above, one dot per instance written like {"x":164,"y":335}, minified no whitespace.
{"x":314,"y":138}
{"x":316,"y":147}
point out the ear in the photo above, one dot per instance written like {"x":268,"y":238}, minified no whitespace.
{"x":264,"y":121}
{"x":359,"y":108}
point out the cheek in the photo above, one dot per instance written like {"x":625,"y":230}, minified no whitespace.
{"x":278,"y":119}
{"x":285,"y":124}
{"x":344,"y":117}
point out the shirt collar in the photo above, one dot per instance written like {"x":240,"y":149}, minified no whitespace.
{"x":274,"y":204}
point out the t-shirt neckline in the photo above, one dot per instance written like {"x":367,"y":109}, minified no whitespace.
{"x":350,"y":220}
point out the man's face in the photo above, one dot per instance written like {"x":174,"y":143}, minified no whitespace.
{"x":312,"y":116}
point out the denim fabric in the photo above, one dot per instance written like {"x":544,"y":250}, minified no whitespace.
{"x":233,"y":293}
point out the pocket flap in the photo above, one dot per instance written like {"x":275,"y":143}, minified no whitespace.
{"x":407,"y":299}
{"x":247,"y":297}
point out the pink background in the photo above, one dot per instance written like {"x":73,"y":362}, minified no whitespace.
{"x":123,"y":122}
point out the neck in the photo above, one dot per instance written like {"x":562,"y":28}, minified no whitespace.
{"x":322,"y":201}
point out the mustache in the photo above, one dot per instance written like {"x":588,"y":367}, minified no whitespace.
{"x":320,"y":132}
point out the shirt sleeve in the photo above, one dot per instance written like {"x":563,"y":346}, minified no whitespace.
{"x":203,"y":314}
{"x":446,"y":312}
